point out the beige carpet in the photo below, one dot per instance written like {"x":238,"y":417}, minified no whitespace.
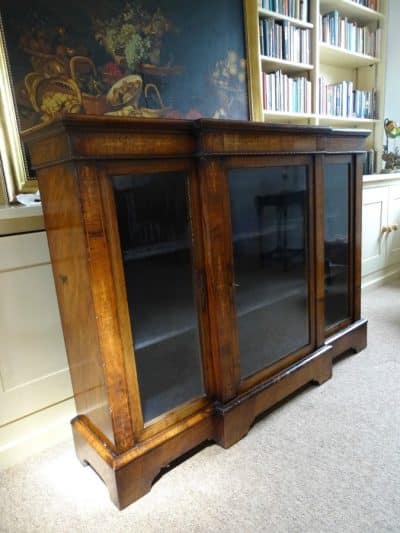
{"x":326,"y":461}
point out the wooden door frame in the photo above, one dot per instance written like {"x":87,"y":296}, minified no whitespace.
{"x":354,"y":228}
{"x":146,"y":429}
{"x":220,"y":182}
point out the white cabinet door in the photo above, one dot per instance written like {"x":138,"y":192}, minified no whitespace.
{"x":374,"y":218}
{"x":33,"y":365}
{"x":393,"y":241}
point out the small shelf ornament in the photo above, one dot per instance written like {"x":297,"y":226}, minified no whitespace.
{"x":391,"y":158}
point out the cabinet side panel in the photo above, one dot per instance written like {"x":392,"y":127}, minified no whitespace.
{"x":62,"y":213}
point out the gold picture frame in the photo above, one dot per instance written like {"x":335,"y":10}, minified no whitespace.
{"x":14,"y":165}
{"x":3,"y":192}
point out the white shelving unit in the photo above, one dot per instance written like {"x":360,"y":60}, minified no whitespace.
{"x":333,"y":63}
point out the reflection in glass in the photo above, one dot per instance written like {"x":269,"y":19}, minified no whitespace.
{"x":337,"y":265}
{"x":270,"y":234}
{"x":156,"y":238}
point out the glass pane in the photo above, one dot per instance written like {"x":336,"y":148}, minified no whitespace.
{"x":269,"y":224}
{"x":336,"y":192}
{"x":156,"y":239}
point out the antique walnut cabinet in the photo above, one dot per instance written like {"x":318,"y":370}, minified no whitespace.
{"x":205,"y":270}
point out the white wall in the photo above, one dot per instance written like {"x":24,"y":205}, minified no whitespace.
{"x":392,"y":79}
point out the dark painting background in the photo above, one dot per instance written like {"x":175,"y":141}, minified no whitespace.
{"x":194,"y":54}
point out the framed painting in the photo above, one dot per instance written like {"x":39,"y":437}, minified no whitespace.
{"x":134,"y":58}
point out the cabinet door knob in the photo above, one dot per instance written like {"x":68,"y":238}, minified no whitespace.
{"x":386,"y":229}
{"x":395,"y":227}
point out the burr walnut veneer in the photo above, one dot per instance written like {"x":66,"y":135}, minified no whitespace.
{"x":205,"y":270}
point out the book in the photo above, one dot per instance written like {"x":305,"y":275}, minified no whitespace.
{"x":283,"y":40}
{"x":283,"y":93}
{"x":342,"y":100}
{"x":340,"y":31}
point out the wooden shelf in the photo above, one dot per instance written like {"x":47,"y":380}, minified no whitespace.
{"x":160,"y":248}
{"x":348,"y":8}
{"x":333,"y":55}
{"x":273,"y":63}
{"x":246,"y":308}
{"x":264,"y":13}
{"x":168,"y":335}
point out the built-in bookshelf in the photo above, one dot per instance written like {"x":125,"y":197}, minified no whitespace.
{"x":285,"y":43}
{"x":319,"y":62}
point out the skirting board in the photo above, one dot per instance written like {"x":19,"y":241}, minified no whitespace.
{"x":36,"y":432}
{"x":380,"y":277}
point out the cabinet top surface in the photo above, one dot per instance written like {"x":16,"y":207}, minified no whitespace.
{"x":82,"y":137}
{"x":100,"y":123}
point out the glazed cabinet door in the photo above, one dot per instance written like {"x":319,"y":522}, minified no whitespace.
{"x":156,"y":234}
{"x":338,"y":239}
{"x":270,"y":220}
